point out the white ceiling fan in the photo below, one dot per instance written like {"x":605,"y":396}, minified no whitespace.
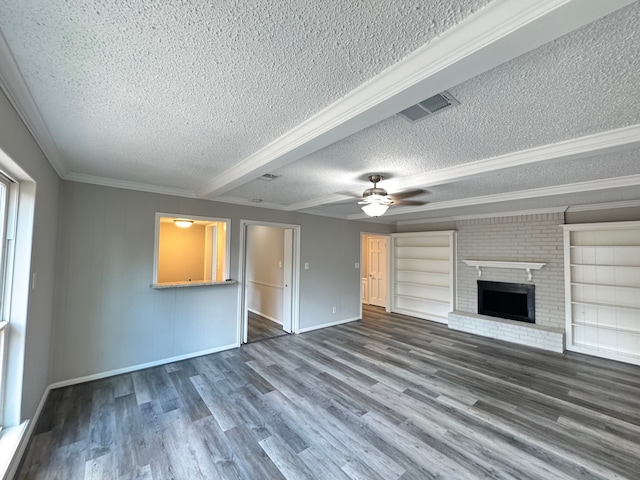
{"x":375,"y":200}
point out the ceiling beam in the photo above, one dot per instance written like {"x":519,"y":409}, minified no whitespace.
{"x":579,"y":187}
{"x":503,"y":30}
{"x":617,"y":140}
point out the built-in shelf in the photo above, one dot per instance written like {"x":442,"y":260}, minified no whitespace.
{"x":607,"y":305}
{"x":160,"y":286}
{"x":423,"y":299}
{"x":423,"y":265}
{"x":602,"y":288}
{"x":625,"y":331}
{"x":528,"y":266}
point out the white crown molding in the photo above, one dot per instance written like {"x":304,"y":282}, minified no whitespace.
{"x":611,"y":141}
{"x":317,"y":202}
{"x":579,"y":187}
{"x":604,"y":206}
{"x":249,"y":203}
{"x":18,"y":93}
{"x":620,"y":139}
{"x":142,"y":187}
{"x":495,"y":34}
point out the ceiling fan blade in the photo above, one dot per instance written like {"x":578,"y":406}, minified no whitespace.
{"x":407,"y":194}
{"x":349,"y":194}
{"x":409,"y":203}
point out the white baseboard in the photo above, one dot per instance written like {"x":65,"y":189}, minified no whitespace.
{"x":142,"y":366}
{"x":325,"y":325}
{"x":265,"y":316}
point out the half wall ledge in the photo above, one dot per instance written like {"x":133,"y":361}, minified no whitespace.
{"x":159,"y":286}
{"x":529,"y":334}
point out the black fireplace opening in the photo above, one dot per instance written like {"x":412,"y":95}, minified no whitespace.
{"x":515,"y":301}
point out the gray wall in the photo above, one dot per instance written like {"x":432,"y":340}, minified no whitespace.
{"x":108,"y":318}
{"x":23,"y":153}
{"x":525,"y":238}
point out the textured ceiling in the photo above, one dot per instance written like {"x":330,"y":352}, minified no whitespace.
{"x":171,"y":94}
{"x":195,"y":87}
{"x":583,"y":83}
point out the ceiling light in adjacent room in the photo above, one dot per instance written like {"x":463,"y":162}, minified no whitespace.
{"x":181,"y":223}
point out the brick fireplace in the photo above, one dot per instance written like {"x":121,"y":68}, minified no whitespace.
{"x":524,"y":238}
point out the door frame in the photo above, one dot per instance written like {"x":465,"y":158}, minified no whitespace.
{"x":294,"y":255}
{"x":363,"y":236}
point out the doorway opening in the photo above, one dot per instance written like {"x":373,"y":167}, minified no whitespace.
{"x":269,"y":260}
{"x":374,"y":250}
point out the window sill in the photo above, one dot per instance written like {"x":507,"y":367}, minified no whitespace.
{"x":10,"y":439}
{"x":160,"y":286}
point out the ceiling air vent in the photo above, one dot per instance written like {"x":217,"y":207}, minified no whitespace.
{"x":429,"y":107}
{"x":267,"y":177}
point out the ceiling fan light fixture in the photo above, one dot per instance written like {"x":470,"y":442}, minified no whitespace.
{"x":376,"y":207}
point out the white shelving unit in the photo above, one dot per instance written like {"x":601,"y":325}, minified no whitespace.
{"x":602,"y":285}
{"x":423,"y":274}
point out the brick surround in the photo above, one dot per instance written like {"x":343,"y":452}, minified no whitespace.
{"x":524,"y":238}
{"x":539,"y":336}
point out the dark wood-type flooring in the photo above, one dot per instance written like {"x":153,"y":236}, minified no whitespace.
{"x":388,"y":397}
{"x":261,"y":328}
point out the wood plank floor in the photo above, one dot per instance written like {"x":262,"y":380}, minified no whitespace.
{"x":388,"y":397}
{"x":261,"y":328}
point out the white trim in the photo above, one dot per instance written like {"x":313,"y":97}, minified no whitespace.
{"x":274,"y":320}
{"x":570,"y":227}
{"x":18,"y":93}
{"x":156,"y":248}
{"x":242,"y":319}
{"x":601,"y":143}
{"x":250,"y":203}
{"x":320,"y":201}
{"x":620,"y":139}
{"x":590,"y":186}
{"x":331,"y":324}
{"x":495,"y":34}
{"x":12,"y":446}
{"x":604,"y":206}
{"x":142,"y":366}
{"x":26,"y":436}
{"x":127,"y":185}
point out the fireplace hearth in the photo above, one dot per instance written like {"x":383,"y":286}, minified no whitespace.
{"x":514,"y":301}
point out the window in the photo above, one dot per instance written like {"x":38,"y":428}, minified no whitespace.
{"x":191,"y":250}
{"x":8,"y":189}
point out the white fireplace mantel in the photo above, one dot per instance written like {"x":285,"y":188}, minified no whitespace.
{"x":528,"y":266}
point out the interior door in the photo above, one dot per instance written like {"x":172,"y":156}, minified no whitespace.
{"x":377,"y":247}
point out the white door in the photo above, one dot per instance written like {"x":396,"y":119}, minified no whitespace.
{"x":377,"y":248}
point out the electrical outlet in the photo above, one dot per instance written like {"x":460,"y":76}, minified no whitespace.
{"x":306,"y":265}
{"x":334,"y":310}
{"x":357,"y":264}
